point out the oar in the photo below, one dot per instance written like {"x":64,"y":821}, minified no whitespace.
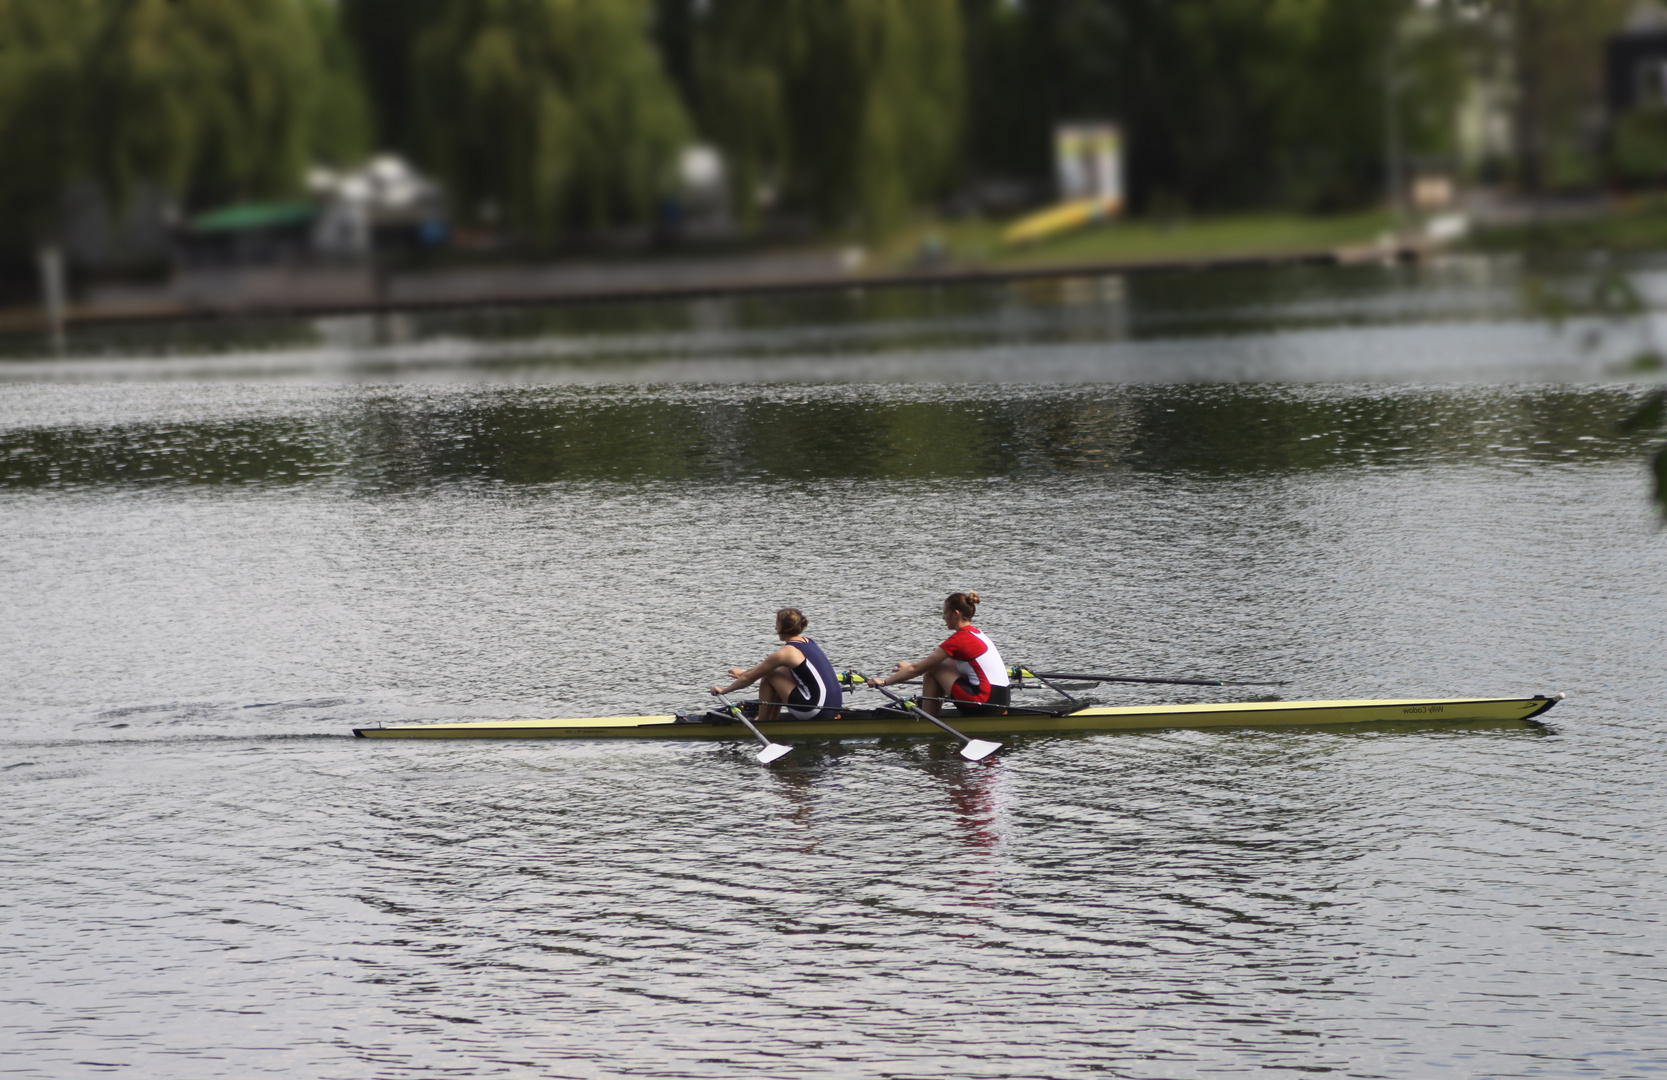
{"x":1043,"y":679}
{"x":851,"y":682}
{"x":771,"y":750}
{"x":974,"y":750}
{"x":1023,"y":673}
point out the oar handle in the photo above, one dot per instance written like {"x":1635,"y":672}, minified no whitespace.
{"x":852,"y":681}
{"x":917,"y":710}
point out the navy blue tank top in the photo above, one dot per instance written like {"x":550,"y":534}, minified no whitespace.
{"x":818,"y":685}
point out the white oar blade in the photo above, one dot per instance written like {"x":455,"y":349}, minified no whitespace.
{"x":773,"y":751}
{"x":978,"y":749}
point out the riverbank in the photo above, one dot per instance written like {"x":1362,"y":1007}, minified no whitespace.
{"x":1630,"y":224}
{"x":1138,"y":242}
{"x":944,"y":252}
{"x":931,"y":254}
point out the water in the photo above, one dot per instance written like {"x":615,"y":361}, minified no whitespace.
{"x":220,"y":554}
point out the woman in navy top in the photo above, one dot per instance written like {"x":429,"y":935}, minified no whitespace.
{"x":797,"y":675}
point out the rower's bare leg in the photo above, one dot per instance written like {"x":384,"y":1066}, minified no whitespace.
{"x":935,"y":687}
{"x":771,"y":693}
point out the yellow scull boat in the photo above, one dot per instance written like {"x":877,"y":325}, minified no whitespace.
{"x":898,"y":722}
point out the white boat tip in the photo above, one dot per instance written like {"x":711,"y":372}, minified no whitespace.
{"x":772,"y":752}
{"x":978,"y":750}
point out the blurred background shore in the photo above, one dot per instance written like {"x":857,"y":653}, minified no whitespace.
{"x":200,"y":159}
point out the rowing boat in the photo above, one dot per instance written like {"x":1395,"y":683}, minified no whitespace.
{"x":896,"y":722}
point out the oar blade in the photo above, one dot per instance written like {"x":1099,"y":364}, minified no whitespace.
{"x":978,"y":749}
{"x":772,"y":751}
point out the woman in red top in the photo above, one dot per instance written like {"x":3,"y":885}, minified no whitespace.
{"x":965,"y":669}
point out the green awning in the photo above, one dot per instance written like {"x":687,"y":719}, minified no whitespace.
{"x":247,"y":217}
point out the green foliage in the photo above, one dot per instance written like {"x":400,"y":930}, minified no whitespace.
{"x":844,"y":108}
{"x":339,"y":120}
{"x":1639,"y":149}
{"x":1225,"y":103}
{"x":561,"y":112}
{"x":554,"y":111}
{"x":1556,"y":50}
{"x":1008,"y":90}
{"x":42,"y":48}
{"x":1638,"y":224}
{"x":209,"y":100}
{"x":383,"y":35}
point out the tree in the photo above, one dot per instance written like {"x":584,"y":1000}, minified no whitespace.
{"x":208,"y":99}
{"x":1011,"y":91}
{"x":42,"y":61}
{"x":555,"y":111}
{"x":204,"y":99}
{"x":1223,"y":103}
{"x":1557,"y":52}
{"x":383,"y":35}
{"x":1638,"y":147}
{"x":845,"y":107}
{"x":339,"y":127}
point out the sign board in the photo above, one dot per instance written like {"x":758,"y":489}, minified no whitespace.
{"x":1089,"y":159}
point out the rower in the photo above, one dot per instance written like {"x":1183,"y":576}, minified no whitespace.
{"x":796,"y":675}
{"x":965,"y":668}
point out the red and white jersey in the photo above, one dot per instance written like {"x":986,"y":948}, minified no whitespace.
{"x":980,"y":664}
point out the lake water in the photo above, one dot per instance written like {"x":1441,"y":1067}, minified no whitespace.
{"x":224,"y":547}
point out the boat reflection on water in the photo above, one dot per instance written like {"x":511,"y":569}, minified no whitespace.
{"x":979,"y":795}
{"x":975,"y":793}
{"x":794,"y":780}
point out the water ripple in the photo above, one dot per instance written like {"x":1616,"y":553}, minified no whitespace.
{"x":206,"y":877}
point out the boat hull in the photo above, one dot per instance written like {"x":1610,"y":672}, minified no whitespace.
{"x":878,"y":723}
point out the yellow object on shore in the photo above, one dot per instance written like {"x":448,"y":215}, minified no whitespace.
{"x":1058,"y":219}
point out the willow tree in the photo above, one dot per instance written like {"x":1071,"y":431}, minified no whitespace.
{"x":197,"y":100}
{"x":552,"y":112}
{"x":207,"y":99}
{"x":844,"y":107}
{"x":203,"y":99}
{"x":42,"y":62}
{"x":339,"y":123}
{"x":384,"y":34}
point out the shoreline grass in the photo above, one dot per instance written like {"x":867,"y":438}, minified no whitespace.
{"x":977,"y":242}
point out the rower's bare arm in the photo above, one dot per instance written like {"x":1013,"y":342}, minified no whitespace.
{"x":909,"y":671}
{"x":786,"y":656}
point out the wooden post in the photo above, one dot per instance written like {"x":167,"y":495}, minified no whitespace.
{"x":51,"y":259}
